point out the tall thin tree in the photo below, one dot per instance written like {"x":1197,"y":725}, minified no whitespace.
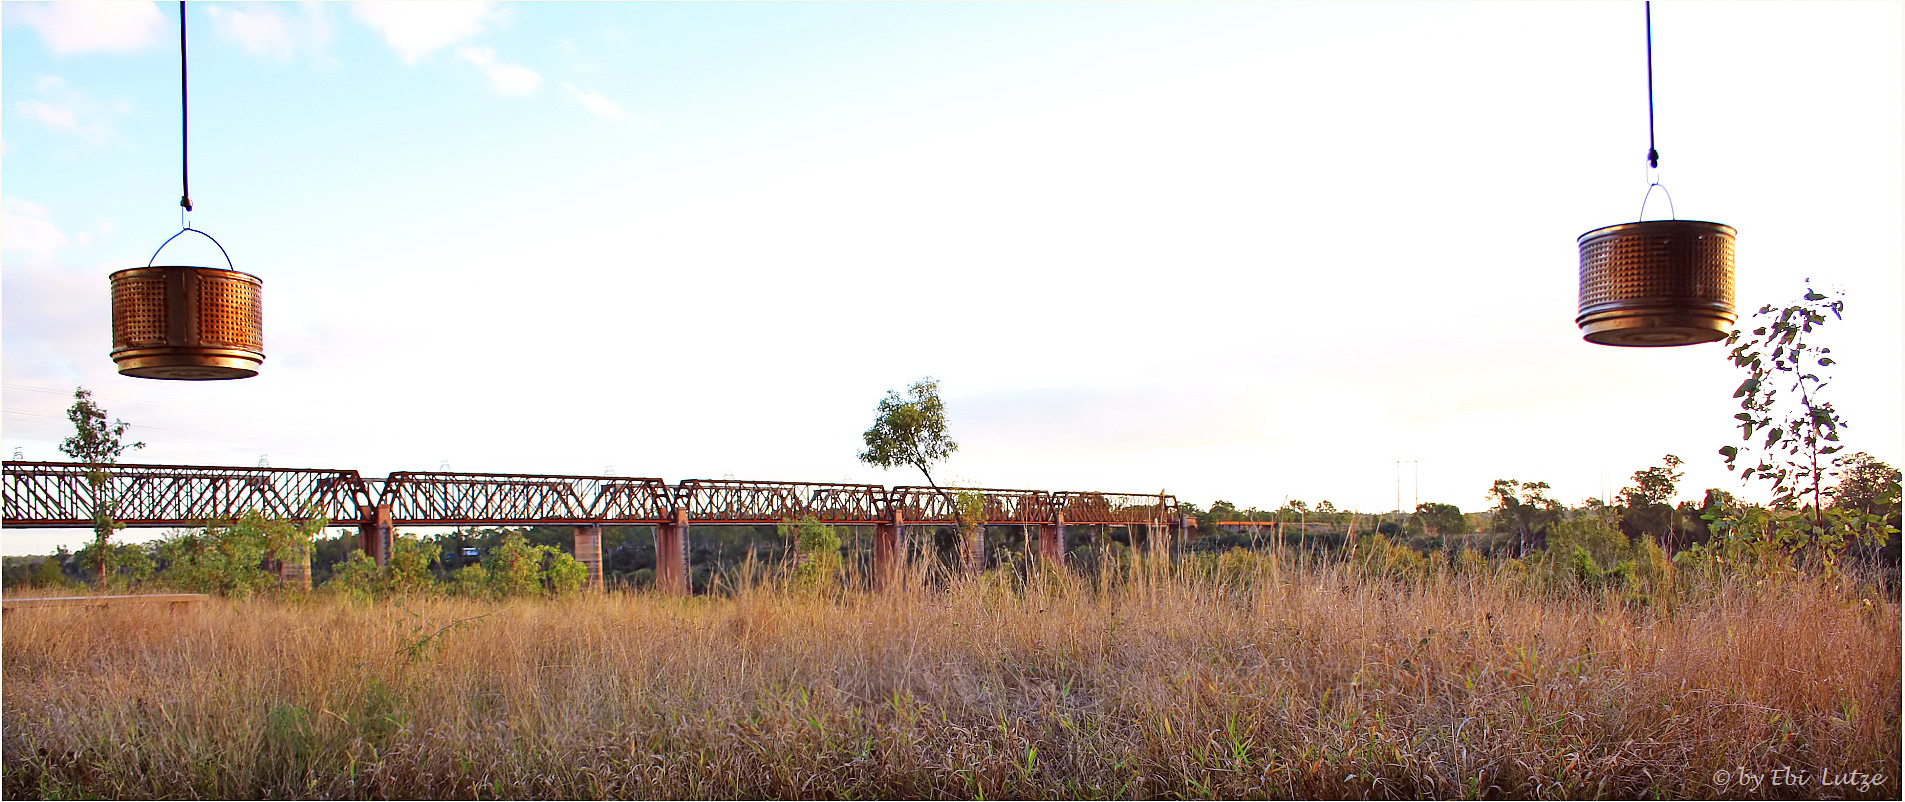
{"x":97,"y":444}
{"x":911,"y":430}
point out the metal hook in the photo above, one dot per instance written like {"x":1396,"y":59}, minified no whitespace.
{"x":221,"y":248}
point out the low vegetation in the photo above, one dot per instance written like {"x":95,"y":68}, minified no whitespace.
{"x":1625,"y":648}
{"x":1243,"y":675}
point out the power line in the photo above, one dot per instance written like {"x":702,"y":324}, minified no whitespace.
{"x":205,"y":436}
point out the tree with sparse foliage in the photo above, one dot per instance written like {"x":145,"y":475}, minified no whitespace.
{"x":1648,"y":502}
{"x":98,"y":444}
{"x":1785,"y":418}
{"x":911,"y":430}
{"x":1327,"y":513}
{"x":1801,"y":429}
{"x":1524,"y":508}
{"x":1654,"y":485}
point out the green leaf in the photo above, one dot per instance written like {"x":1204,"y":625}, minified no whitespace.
{"x":1774,"y":435}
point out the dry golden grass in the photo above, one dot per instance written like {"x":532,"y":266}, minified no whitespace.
{"x":1294,"y":683}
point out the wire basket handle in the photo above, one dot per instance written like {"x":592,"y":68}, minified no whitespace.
{"x":1671,"y":214}
{"x":234,"y":268}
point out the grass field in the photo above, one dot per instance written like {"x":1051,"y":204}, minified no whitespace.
{"x":1284,"y":682}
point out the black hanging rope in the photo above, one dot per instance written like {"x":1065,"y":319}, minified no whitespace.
{"x":185,"y":171}
{"x":1654,"y":157}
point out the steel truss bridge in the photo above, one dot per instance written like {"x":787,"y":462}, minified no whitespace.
{"x":64,"y":494}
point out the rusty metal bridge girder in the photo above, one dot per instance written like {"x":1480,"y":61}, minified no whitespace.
{"x":633,"y":501}
{"x":59,"y":494}
{"x":731,"y":501}
{"x":1115,"y":508}
{"x":440,"y":498}
{"x":927,"y":505}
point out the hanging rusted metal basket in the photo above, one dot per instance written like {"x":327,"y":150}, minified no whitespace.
{"x":187,"y":323}
{"x":1657,"y":283}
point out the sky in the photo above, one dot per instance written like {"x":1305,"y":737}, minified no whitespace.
{"x":1239,"y":251}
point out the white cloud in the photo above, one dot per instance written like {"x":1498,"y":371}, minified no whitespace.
{"x":600,"y":106}
{"x":28,"y":228}
{"x":509,"y":79}
{"x":417,"y":29}
{"x":261,"y":30}
{"x":63,"y":108}
{"x":93,"y":27}
{"x":52,"y":116}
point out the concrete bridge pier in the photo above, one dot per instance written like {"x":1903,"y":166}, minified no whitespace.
{"x":671,"y":554}
{"x":373,"y":535}
{"x":1051,"y":541}
{"x":1178,"y":530}
{"x":588,"y":551}
{"x":296,"y":572}
{"x":889,"y":551}
{"x":972,"y":549}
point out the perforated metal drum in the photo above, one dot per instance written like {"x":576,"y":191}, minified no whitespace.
{"x":189,"y":323}
{"x":1657,"y":283}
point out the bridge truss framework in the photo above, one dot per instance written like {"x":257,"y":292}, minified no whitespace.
{"x":63,"y":495}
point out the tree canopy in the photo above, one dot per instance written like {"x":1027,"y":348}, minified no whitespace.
{"x":1440,"y":520}
{"x":94,"y":440}
{"x":1867,"y":485}
{"x":1654,"y":485}
{"x":910,"y":430}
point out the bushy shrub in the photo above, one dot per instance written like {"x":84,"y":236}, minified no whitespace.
{"x":48,"y":573}
{"x":515,"y":567}
{"x":357,"y":577}
{"x":126,"y":563}
{"x":1601,"y":540}
{"x":222,"y":560}
{"x":471,"y":581}
{"x":563,"y":574}
{"x":405,"y":571}
{"x":229,"y":558}
{"x":818,"y":566}
{"x":408,"y":568}
{"x":1377,"y":556}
